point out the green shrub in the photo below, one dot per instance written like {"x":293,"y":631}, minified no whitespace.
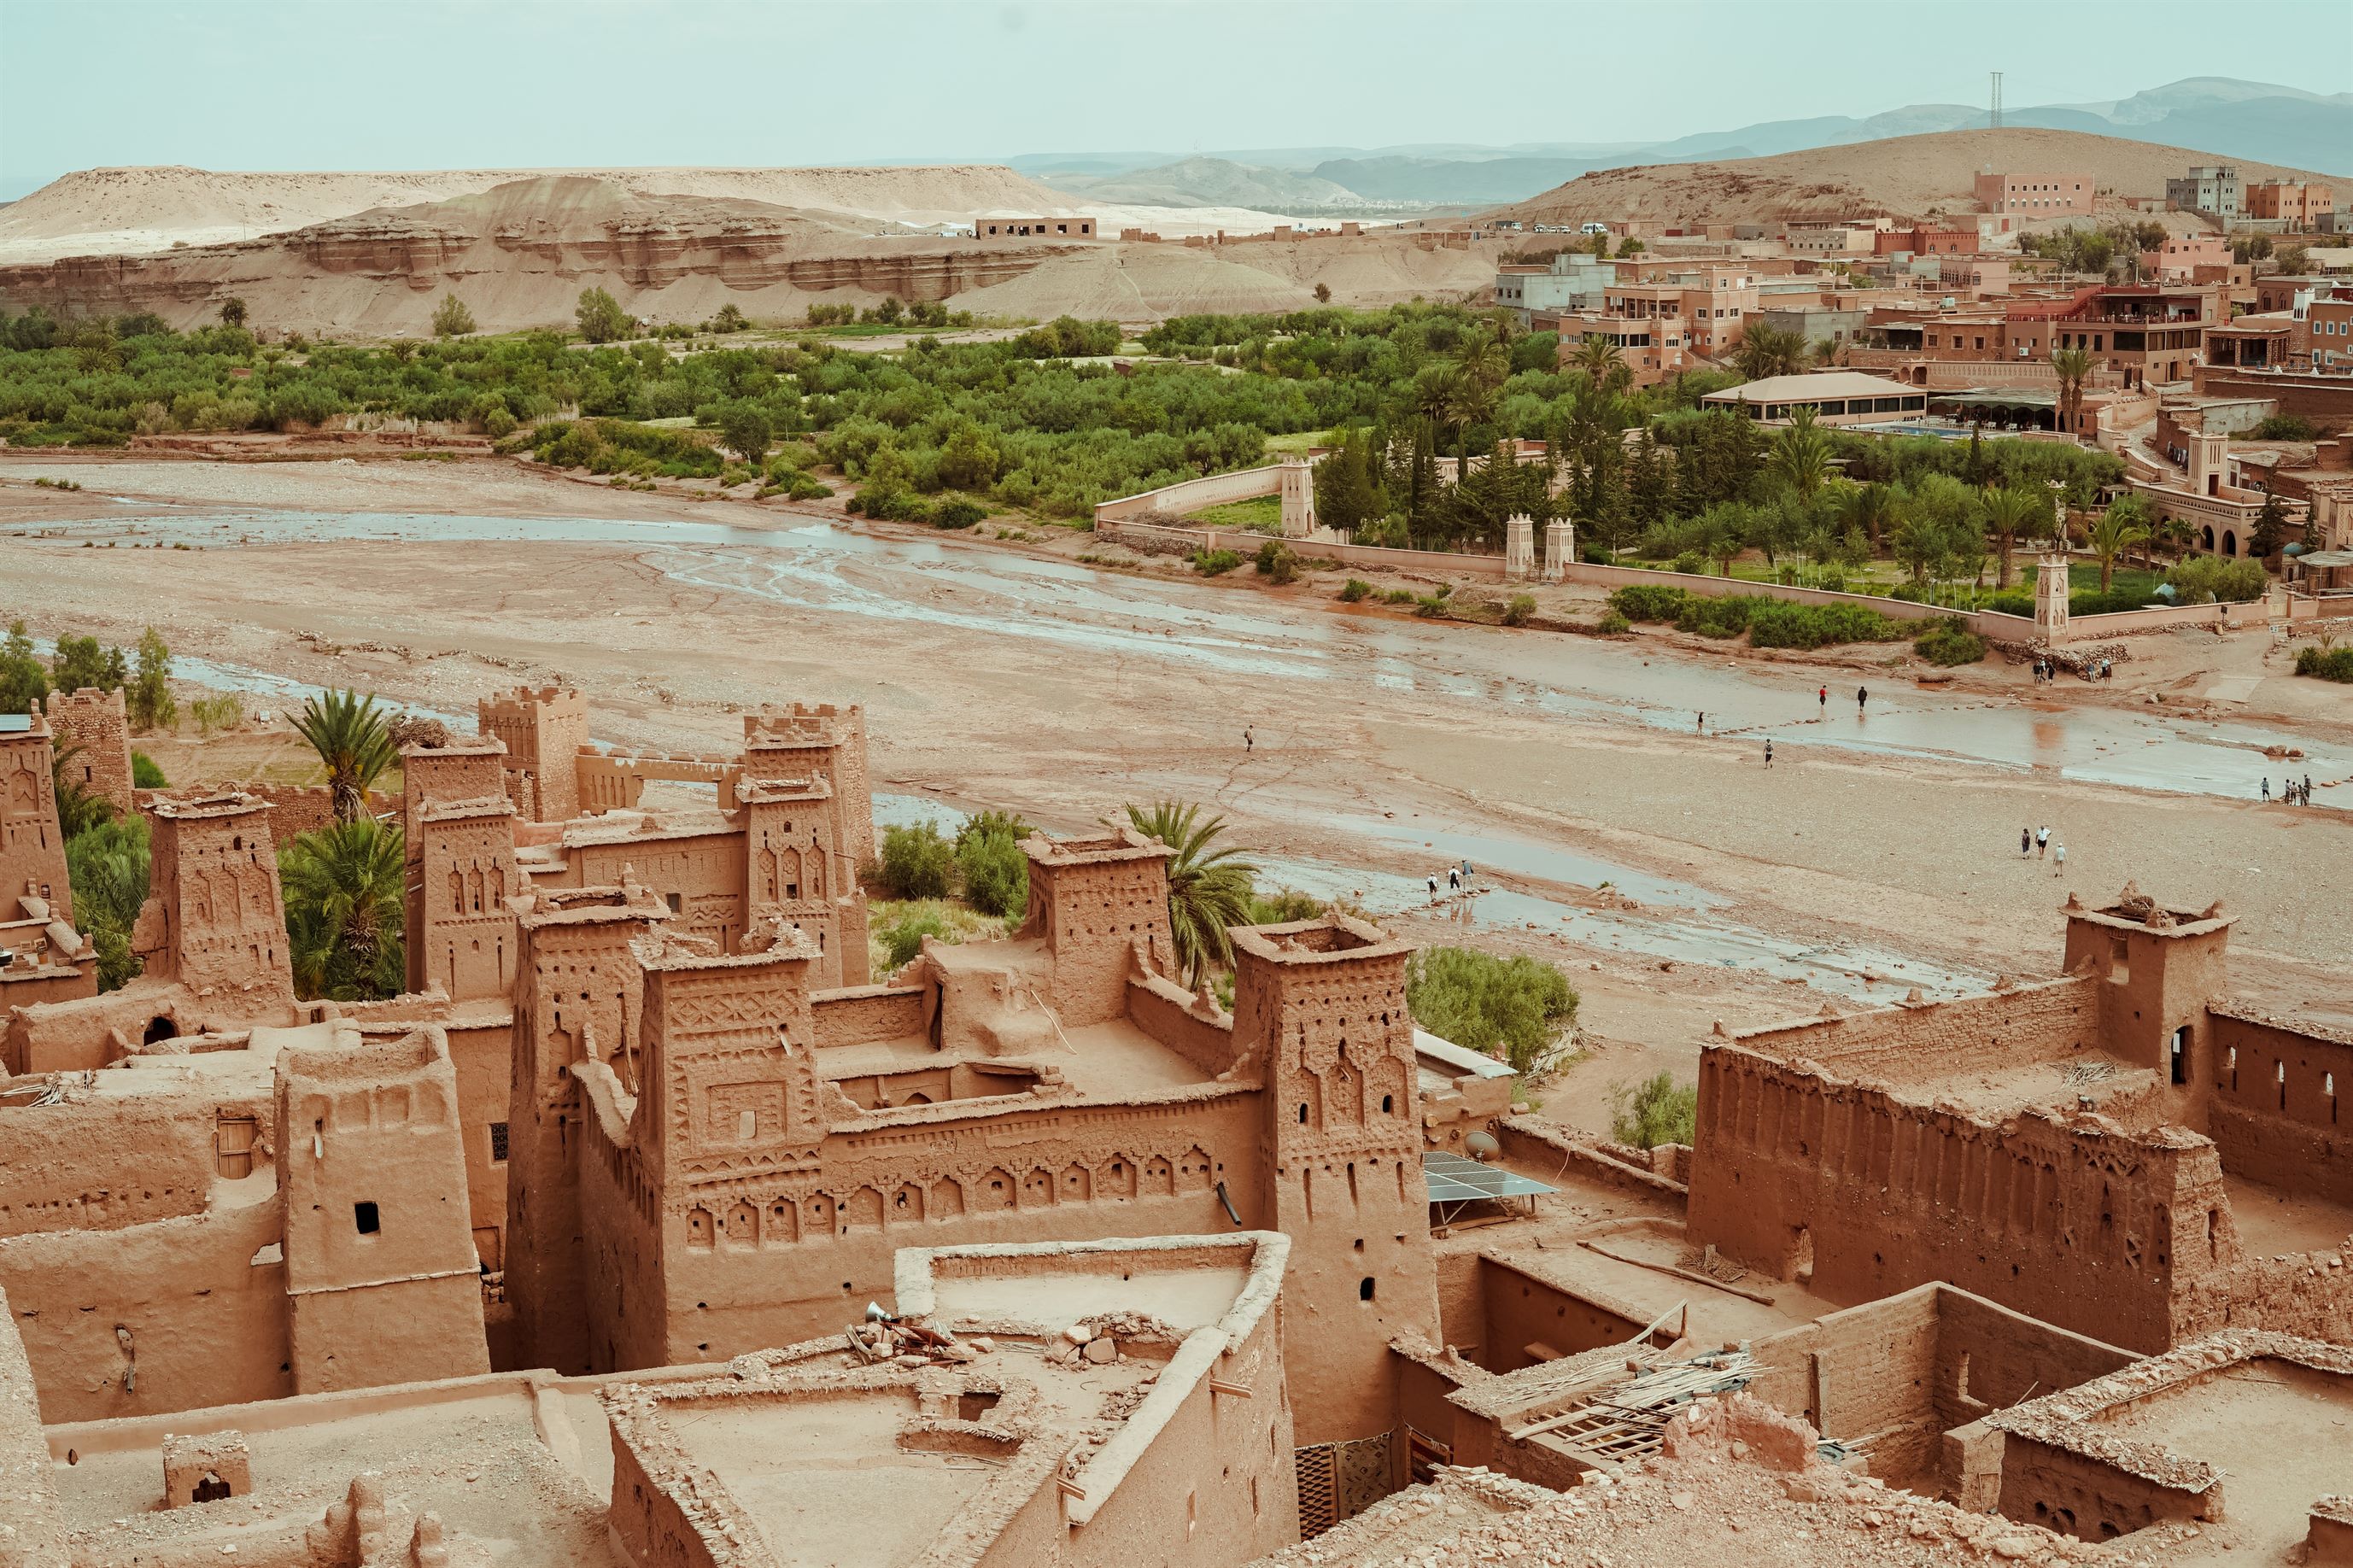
{"x":145,"y":775}
{"x":902,"y":939}
{"x":958,"y":513}
{"x":1215,"y":562}
{"x":1777,"y":623}
{"x":1510,"y":1008}
{"x":1613,"y":625}
{"x":1949,"y":642}
{"x":996,"y":872}
{"x":1650,"y":601}
{"x":1431,"y":607}
{"x":2212,"y":579}
{"x":1517,"y":611}
{"x":1654,"y":1112}
{"x":2328,"y":664}
{"x":1284,"y":906}
{"x":917,"y":863}
{"x":1397,"y":596}
{"x":1690,"y":563}
{"x":1715,"y":617}
{"x":1356,"y":589}
{"x":1278,"y":562}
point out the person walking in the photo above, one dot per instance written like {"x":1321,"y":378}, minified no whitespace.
{"x":2267,"y":789}
{"x":1701,"y":728}
{"x":2025,"y":842}
{"x":1454,"y":878}
{"x":1823,"y":699}
{"x":2060,"y":869}
{"x":1862,"y":696}
{"x":2042,"y":841}
{"x":2307,"y":789}
{"x":1433,"y":887}
{"x":1768,"y":753}
{"x":1249,"y":742}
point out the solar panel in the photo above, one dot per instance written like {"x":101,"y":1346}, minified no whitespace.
{"x":1453,"y":1179}
{"x":15,"y":723}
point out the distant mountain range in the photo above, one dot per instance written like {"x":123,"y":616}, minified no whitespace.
{"x":2258,"y":121}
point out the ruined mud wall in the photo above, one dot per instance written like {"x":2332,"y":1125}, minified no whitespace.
{"x":1967,"y":1035}
{"x":867,"y":1013}
{"x":1894,"y":1376}
{"x":1171,"y":1014}
{"x":203,"y":1300}
{"x":2082,"y":1224}
{"x":2275,"y":1109}
{"x":93,"y":727}
{"x":1519,"y":1311}
{"x":108,"y":1164}
{"x":2305,"y":1293}
{"x":2084,"y":1497}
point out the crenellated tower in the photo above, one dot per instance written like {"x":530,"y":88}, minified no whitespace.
{"x":1321,"y":1006}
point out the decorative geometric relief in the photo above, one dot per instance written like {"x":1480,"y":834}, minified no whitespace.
{"x":728,"y":1106}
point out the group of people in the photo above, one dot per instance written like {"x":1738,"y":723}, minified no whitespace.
{"x":2292,"y":792}
{"x":2036,"y":841}
{"x":2047,"y":670}
{"x":1862,"y":696}
{"x":1455,"y":876}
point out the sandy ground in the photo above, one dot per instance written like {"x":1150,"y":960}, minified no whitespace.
{"x":1007,"y":674}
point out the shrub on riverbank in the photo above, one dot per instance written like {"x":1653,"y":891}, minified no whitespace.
{"x":1949,"y":642}
{"x":1650,"y":601}
{"x":1656,"y":1110}
{"x":1510,"y":1008}
{"x":2328,"y":664}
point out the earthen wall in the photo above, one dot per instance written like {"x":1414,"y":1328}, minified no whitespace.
{"x":1173,"y":1016}
{"x":765,"y":1257}
{"x":2092,"y":1229}
{"x":203,"y":1299}
{"x":1967,"y":1035}
{"x":2275,"y":1109}
{"x":1524,"y":1315}
{"x":2078,"y":1496}
{"x":867,"y":1013}
{"x":28,"y":1498}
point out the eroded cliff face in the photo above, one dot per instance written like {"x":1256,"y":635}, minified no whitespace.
{"x":520,"y":258}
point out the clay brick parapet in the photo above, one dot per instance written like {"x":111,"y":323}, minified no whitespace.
{"x":29,"y":1499}
{"x":2278,"y":1089}
{"x":1545,"y":1143}
{"x":861,"y":1013}
{"x":1969,"y":1034}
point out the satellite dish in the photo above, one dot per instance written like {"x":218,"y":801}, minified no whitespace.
{"x":1482,"y":1146}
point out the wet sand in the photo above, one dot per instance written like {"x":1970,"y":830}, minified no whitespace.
{"x":1884,"y":846}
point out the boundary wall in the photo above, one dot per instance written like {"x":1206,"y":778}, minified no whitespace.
{"x":1159,"y":539}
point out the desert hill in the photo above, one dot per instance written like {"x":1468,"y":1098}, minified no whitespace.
{"x":519,"y":252}
{"x":1907,"y":176}
{"x":127,"y":211}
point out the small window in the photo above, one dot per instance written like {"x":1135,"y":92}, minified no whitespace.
{"x":498,"y":1143}
{"x":674,"y":902}
{"x":364,"y":1216}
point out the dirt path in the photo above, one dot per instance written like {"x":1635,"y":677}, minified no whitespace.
{"x":1385,"y":748}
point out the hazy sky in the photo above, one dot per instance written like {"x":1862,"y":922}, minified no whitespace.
{"x":422,"y":84}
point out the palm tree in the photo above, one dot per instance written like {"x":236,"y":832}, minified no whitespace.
{"x":343,"y":912}
{"x":353,"y":743}
{"x":1768,"y":351}
{"x":1598,"y":357}
{"x":2119,"y":530}
{"x":1871,"y":508}
{"x":2073,"y":367}
{"x":1209,"y":888}
{"x":1800,"y":458}
{"x":2010,"y":511}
